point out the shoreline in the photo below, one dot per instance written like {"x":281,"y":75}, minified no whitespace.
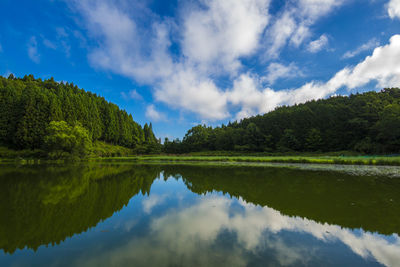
{"x":318,"y":160}
{"x":334,"y":160}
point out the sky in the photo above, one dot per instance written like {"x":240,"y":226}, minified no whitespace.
{"x":179,"y":63}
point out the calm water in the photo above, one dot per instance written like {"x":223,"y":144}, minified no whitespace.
{"x":170,"y":215}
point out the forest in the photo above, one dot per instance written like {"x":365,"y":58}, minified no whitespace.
{"x":61,"y":120}
{"x":368,"y":123}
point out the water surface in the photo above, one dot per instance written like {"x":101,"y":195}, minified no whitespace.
{"x":182,"y":215}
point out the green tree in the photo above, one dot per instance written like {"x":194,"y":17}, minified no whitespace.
{"x":288,"y":141}
{"x":314,"y":140}
{"x":64,"y":140}
{"x":388,"y":128}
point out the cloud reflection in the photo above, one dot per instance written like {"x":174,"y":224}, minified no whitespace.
{"x":218,"y":230}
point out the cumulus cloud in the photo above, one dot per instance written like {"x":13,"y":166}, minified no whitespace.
{"x":33,"y":52}
{"x":280,"y":32}
{"x":393,"y":8}
{"x":317,"y":45}
{"x":277,"y":71}
{"x":190,"y":91}
{"x":381,"y":67}
{"x":364,"y":47}
{"x":228,"y":31}
{"x":292,"y":25}
{"x":153,"y":114}
{"x":224,"y":31}
{"x":214,"y":38}
{"x":257,"y":100}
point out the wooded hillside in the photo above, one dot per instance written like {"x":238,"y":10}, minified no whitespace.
{"x":368,"y":123}
{"x":29,"y":105}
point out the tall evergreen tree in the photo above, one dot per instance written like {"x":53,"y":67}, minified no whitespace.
{"x":28,"y":105}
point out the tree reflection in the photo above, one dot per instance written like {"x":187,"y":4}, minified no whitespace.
{"x":45,"y":205}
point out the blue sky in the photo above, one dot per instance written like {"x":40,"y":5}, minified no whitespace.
{"x":180,"y":63}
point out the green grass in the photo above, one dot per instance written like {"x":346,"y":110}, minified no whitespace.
{"x":348,"y":160}
{"x":99,"y":149}
{"x":7,"y":154}
{"x":106,"y":152}
{"x":102,"y":149}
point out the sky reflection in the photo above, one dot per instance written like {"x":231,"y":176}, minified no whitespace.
{"x":135,"y":216}
{"x":214,"y":229}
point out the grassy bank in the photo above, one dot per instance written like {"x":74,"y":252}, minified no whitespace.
{"x":347,"y":160}
{"x":98,"y":149}
{"x":106,"y":152}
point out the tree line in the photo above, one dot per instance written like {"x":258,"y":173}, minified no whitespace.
{"x":45,"y":114}
{"x":367,"y":123}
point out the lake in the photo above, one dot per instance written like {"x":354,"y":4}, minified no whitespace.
{"x":118,"y":214}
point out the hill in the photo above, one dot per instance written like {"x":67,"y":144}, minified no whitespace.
{"x":368,"y":123}
{"x":31,"y":109}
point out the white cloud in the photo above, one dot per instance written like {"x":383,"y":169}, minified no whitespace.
{"x":122,"y":48}
{"x":364,"y":47}
{"x":229,"y":30}
{"x":314,"y":9}
{"x":255,"y":100}
{"x":319,"y":44}
{"x":279,"y":33}
{"x":277,"y":71}
{"x":187,"y":90}
{"x":381,"y":67}
{"x":394,"y":9}
{"x":132,"y":94}
{"x":302,"y":32}
{"x":33,"y":50}
{"x":214,"y":39}
{"x":223,"y":31}
{"x":153,"y":114}
{"x":292,"y":25}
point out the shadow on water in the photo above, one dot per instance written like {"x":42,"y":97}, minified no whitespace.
{"x":41,"y":205}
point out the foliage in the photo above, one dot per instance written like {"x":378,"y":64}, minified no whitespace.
{"x":63,"y":140}
{"x":28,"y":105}
{"x":6,"y":153}
{"x":368,"y":123}
{"x":345,"y":160}
{"x":102,"y":149}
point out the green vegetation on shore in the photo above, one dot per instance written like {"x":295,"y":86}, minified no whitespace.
{"x":97,"y":149}
{"x":348,"y":160}
{"x":43,"y":117}
{"x":368,"y":123}
{"x":52,"y":120}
